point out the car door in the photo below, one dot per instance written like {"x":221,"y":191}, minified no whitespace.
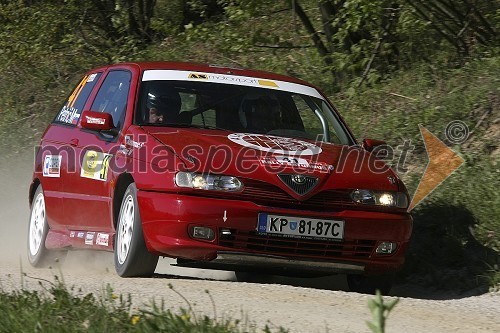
{"x":56,"y":156}
{"x":89,"y":191}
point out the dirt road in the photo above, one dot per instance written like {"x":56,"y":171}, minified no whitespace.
{"x":300,"y":305}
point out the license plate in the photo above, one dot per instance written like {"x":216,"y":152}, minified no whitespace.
{"x":301,"y":227}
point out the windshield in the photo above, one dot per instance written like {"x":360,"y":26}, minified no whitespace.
{"x":239,"y":108}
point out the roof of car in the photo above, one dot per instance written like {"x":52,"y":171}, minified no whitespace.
{"x":207,"y":68}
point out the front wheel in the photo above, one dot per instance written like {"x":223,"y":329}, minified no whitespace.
{"x":38,"y":254}
{"x":131,"y":255}
{"x":370,"y":284}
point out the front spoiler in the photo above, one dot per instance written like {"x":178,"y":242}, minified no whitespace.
{"x":245,"y":262}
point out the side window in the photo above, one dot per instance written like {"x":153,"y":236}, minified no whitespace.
{"x":72,"y":109}
{"x":113,"y":95}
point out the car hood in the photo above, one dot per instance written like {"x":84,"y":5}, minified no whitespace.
{"x":265,"y":157}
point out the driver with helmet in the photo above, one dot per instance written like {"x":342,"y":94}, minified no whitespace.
{"x":163,"y":105}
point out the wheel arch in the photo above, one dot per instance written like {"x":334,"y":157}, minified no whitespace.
{"x":123,"y":181}
{"x":34,"y":185}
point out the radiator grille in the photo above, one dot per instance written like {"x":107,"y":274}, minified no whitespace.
{"x":271,"y":244}
{"x":268,"y":194}
{"x":300,"y":184}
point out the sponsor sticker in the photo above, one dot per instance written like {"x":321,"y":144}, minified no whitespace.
{"x":89,"y":239}
{"x":169,"y":75}
{"x":80,"y":234}
{"x":72,"y":234}
{"x":124,"y":151}
{"x":268,"y":83}
{"x":95,"y":165}
{"x":198,"y":76}
{"x":91,"y":77}
{"x":102,"y":239}
{"x":69,"y":115}
{"x":130,"y":142}
{"x":275,"y":144}
{"x":52,"y":166}
{"x":232,"y":78}
{"x":94,"y":120}
{"x":296,"y":162}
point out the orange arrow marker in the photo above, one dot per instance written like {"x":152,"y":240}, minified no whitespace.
{"x":442,"y":163}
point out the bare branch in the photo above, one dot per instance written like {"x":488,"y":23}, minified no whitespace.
{"x":318,"y":43}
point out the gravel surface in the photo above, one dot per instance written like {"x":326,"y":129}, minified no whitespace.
{"x":300,"y":305}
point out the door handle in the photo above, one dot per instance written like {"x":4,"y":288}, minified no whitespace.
{"x":73,"y":142}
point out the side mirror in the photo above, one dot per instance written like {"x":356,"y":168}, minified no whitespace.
{"x":98,"y":121}
{"x":379,"y":148}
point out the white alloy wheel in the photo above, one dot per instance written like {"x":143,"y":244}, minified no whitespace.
{"x":38,"y":229}
{"x":125,"y":229}
{"x":37,"y":226}
{"x":132,"y":257}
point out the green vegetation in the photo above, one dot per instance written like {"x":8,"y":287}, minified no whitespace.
{"x":387,"y":65}
{"x":59,"y":309}
{"x":380,"y":311}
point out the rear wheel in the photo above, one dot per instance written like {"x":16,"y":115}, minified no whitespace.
{"x":38,"y":254}
{"x":131,"y":255}
{"x":370,"y":284}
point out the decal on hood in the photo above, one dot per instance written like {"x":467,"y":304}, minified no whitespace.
{"x":275,"y":144}
{"x":295,"y":162}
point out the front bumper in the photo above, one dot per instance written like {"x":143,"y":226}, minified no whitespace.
{"x":167,"y":219}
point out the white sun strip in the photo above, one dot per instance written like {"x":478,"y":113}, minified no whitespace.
{"x":176,"y":75}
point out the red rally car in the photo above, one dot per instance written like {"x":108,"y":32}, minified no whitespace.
{"x":218,"y":167}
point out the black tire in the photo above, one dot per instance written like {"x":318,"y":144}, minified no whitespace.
{"x":132,"y":259}
{"x":370,"y":284}
{"x":38,"y":228}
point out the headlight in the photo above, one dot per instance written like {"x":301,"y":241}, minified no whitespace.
{"x":208,"y":182}
{"x":380,"y":198}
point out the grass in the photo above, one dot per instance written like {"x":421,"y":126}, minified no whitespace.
{"x":58,"y":309}
{"x":380,"y":311}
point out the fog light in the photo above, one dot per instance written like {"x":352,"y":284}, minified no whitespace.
{"x":386,"y":248}
{"x":226,"y":232}
{"x":203,"y":233}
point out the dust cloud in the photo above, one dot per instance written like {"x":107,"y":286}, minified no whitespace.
{"x":15,"y":176}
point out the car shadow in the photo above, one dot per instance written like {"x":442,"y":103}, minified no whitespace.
{"x":333,"y":282}
{"x":444,"y":259}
